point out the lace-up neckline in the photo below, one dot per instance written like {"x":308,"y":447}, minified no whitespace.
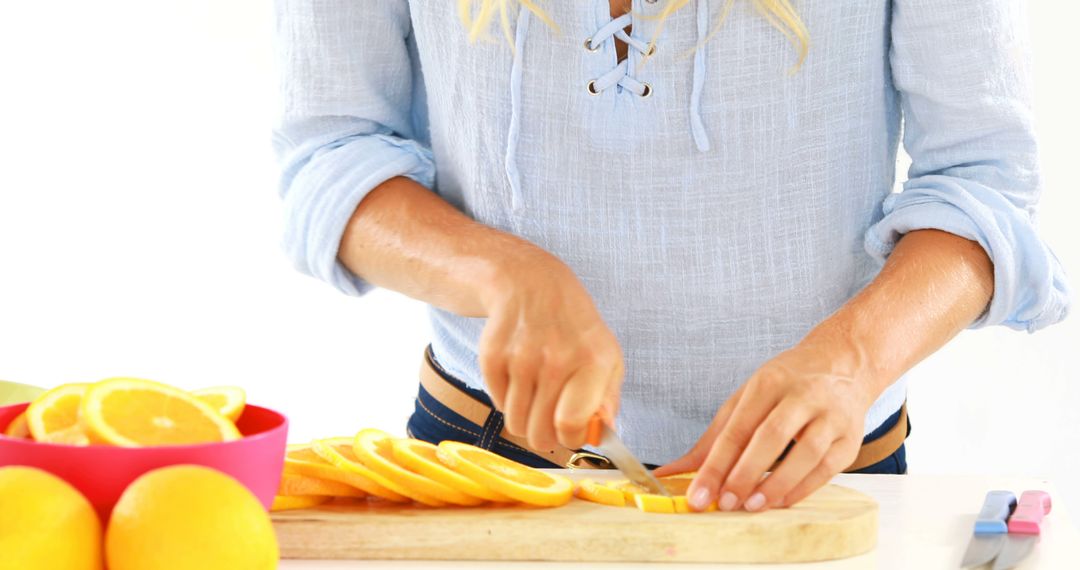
{"x":622,"y":74}
{"x":621,"y":77}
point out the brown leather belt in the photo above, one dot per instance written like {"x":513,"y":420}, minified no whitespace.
{"x":477,"y":412}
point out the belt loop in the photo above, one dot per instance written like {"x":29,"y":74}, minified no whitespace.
{"x":491,"y":430}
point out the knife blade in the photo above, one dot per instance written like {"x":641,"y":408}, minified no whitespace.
{"x":601,"y":435}
{"x":1024,"y":527}
{"x":990,"y":528}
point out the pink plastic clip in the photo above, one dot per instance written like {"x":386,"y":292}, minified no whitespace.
{"x":1029,"y":513}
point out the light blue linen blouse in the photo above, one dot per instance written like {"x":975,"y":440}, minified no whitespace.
{"x":714,"y":205}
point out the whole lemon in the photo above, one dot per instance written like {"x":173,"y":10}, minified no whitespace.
{"x":46,"y":524}
{"x":188,"y":517}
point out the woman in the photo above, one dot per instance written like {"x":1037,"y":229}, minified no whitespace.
{"x":705,"y":242}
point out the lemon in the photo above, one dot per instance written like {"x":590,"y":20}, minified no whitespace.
{"x":188,"y":517}
{"x":46,"y":524}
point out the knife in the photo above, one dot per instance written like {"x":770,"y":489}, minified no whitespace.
{"x":1024,"y":527}
{"x":990,"y":528}
{"x":601,"y":435}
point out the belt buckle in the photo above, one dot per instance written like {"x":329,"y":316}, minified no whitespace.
{"x":596,"y":461}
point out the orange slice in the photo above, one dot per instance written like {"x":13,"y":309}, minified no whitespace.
{"x":339,"y":452}
{"x":18,"y":428}
{"x":297,"y":485}
{"x":681,"y":506}
{"x":374,"y":448}
{"x":675,"y":484}
{"x":303,"y":459}
{"x":132,"y":412}
{"x":420,"y":457}
{"x":506,"y":477}
{"x":229,"y":401}
{"x":627,"y":488}
{"x":297,"y":502}
{"x":54,"y":416}
{"x":650,"y":503}
{"x":590,"y":490}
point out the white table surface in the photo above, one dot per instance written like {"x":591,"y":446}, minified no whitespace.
{"x":925,"y":522}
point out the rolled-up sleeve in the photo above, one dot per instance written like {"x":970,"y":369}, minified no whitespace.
{"x":347,"y":84}
{"x":962,"y":69}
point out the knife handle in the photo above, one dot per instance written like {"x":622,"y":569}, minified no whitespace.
{"x":1031,"y":509}
{"x":995,"y":511}
{"x":595,"y":430}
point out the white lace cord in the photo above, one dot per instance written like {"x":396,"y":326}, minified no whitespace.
{"x":513,"y":175}
{"x":697,"y":126}
{"x":621,"y":74}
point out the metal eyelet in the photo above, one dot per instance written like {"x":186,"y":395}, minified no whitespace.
{"x":589,"y":46}
{"x":591,"y":88}
{"x":652,"y":51}
{"x":647,"y":92}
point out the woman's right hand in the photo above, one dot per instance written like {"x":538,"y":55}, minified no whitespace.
{"x":548,"y":359}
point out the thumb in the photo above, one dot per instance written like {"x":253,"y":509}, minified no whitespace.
{"x":582,"y":395}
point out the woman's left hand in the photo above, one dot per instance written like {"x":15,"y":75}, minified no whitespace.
{"x":813,"y":394}
{"x":933,"y":285}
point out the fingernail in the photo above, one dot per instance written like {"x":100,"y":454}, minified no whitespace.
{"x":728,"y":501}
{"x":700,"y":499}
{"x":755,"y":502}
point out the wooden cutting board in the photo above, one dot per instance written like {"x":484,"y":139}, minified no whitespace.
{"x":835,"y":522}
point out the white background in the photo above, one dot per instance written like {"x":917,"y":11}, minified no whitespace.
{"x":139,"y":223}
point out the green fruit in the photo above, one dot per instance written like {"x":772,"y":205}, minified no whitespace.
{"x":15,"y":393}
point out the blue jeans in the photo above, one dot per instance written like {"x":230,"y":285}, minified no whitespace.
{"x":433,"y":422}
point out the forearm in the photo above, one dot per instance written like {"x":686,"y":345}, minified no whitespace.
{"x":932,"y":286}
{"x":405,"y":238}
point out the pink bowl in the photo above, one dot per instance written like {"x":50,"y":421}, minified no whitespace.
{"x":102,"y":472}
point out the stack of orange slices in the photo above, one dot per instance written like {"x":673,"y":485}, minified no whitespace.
{"x":375,"y":465}
{"x":130,"y":412}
